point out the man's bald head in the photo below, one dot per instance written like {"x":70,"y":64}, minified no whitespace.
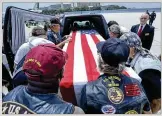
{"x":144,"y":18}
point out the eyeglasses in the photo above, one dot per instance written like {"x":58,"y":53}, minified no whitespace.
{"x":109,"y":30}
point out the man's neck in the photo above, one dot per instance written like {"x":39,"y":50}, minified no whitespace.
{"x":55,"y":31}
{"x":142,"y":24}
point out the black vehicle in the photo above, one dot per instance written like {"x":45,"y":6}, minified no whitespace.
{"x":94,"y":21}
{"x":16,"y":20}
{"x":14,"y":29}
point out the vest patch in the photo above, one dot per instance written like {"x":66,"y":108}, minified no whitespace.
{"x":108,"y":109}
{"x":15,"y":108}
{"x":131,"y":112}
{"x":112,"y":81}
{"x":132,"y":90}
{"x":115,"y":95}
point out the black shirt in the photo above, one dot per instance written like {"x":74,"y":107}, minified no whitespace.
{"x":151,"y":81}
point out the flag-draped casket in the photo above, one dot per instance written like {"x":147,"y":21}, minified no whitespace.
{"x":81,"y":66}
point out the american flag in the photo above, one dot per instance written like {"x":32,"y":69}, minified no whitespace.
{"x":81,"y":66}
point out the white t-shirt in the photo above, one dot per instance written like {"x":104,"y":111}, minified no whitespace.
{"x":123,"y":29}
{"x":24,"y":48}
{"x":21,"y":52}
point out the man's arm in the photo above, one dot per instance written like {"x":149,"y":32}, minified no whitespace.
{"x":132,"y":29}
{"x":155,"y":16}
{"x":151,"y":82}
{"x":78,"y":110}
{"x":147,"y":108}
{"x":151,"y":37}
{"x":65,"y":41}
{"x":50,"y":37}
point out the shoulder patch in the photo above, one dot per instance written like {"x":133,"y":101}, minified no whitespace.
{"x":115,"y":95}
{"x":108,"y":109}
{"x":132,"y":90}
{"x":15,"y":108}
{"x":111,"y":81}
{"x":131,"y":112}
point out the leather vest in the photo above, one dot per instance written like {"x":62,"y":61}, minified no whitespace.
{"x":113,"y":95}
{"x":21,"y":101}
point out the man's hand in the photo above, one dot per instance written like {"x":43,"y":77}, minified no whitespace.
{"x":66,"y":37}
{"x":68,"y":40}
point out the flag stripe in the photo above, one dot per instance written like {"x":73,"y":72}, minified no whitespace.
{"x":80,"y":75}
{"x":66,"y":84}
{"x":90,"y":63}
{"x":99,"y":37}
{"x":92,"y":44}
{"x":81,"y":66}
{"x":95,"y":38}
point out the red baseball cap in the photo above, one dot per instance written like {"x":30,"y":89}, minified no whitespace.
{"x":47,"y":60}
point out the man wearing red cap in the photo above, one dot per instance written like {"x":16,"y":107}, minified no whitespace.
{"x":43,"y":66}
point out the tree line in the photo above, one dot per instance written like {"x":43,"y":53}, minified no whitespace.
{"x":84,"y":8}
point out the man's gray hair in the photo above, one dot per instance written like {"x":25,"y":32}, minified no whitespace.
{"x":115,"y":29}
{"x":38,"y":31}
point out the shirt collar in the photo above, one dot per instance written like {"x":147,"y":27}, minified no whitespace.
{"x":143,"y":26}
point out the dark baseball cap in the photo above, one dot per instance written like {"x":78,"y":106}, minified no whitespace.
{"x":151,"y":82}
{"x":55,"y":21}
{"x":113,"y":51}
{"x":47,"y":60}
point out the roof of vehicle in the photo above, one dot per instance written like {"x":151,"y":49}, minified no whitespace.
{"x":78,"y":15}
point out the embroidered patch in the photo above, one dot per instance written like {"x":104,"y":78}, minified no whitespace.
{"x":115,"y":95}
{"x":112,"y":81}
{"x":15,"y":108}
{"x":132,"y":90}
{"x":131,"y":112}
{"x":108,"y":109}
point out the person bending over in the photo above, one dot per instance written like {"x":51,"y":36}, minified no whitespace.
{"x":43,"y":66}
{"x":113,"y":92}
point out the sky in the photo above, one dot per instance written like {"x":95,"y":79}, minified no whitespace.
{"x":45,"y":4}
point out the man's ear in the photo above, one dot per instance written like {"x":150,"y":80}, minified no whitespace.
{"x":155,"y":105}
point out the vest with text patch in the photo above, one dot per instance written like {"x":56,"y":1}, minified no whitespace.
{"x":114,"y":94}
{"x":21,"y":101}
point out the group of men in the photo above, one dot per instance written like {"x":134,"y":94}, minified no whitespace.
{"x":143,"y":30}
{"x":42,"y":66}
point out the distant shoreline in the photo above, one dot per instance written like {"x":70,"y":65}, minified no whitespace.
{"x":118,"y":11}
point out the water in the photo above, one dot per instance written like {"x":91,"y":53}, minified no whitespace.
{"x":116,"y":11}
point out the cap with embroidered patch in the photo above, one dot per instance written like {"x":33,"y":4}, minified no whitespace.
{"x":47,"y":60}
